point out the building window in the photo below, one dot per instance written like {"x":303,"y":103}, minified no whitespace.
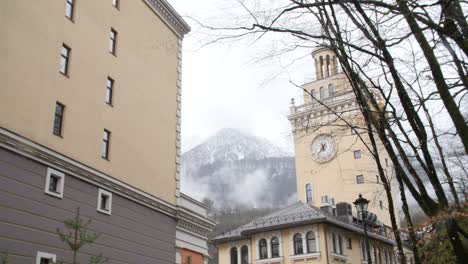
{"x":378,"y":178}
{"x":106,"y":144}
{"x":233,"y":255}
{"x":309,"y":197}
{"x":381,"y":205}
{"x":325,"y":200}
{"x":188,"y":260}
{"x":322,"y":93}
{"x":262,"y":249}
{"x":64,"y":59}
{"x":386,"y":162}
{"x":113,"y":41}
{"x":312,"y":94}
{"x":357,"y":154}
{"x":109,"y":90}
{"x":353,"y":131}
{"x":116,"y":3}
{"x":55,"y":181}
{"x":360,"y":179}
{"x":297,"y":239}
{"x":244,"y":255}
{"x":350,"y":243}
{"x":70,"y":9}
{"x":274,"y":247}
{"x":104,"y":204}
{"x":337,"y":244}
{"x":58,"y":119}
{"x":311,"y":242}
{"x":45,"y":258}
{"x":331,"y":90}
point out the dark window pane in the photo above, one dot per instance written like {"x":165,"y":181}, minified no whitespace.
{"x":53,"y":183}
{"x":58,"y":119}
{"x":109,"y":90}
{"x":244,"y":255}
{"x":263,"y":249}
{"x":298,"y":249}
{"x":45,"y":261}
{"x":104,"y":202}
{"x":274,"y":247}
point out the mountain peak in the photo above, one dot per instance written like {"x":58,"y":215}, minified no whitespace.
{"x":229,"y":144}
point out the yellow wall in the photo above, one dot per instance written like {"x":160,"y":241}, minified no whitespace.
{"x":143,"y":119}
{"x":353,"y":254}
{"x":337,"y":177}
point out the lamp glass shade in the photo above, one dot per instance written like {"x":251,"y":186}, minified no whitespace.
{"x":361,"y":204}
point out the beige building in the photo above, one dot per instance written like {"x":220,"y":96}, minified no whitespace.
{"x":90,"y":100}
{"x":333,"y":166}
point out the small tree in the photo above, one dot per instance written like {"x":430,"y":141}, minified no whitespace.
{"x":78,"y":235}
{"x":4,"y":258}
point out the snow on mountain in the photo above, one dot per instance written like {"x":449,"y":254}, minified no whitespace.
{"x":232,"y":145}
{"x":235,"y":169}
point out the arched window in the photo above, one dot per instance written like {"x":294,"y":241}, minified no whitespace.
{"x":322,"y":93}
{"x":328,"y":65}
{"x":321,"y":67}
{"x":244,"y":255}
{"x":311,"y":243}
{"x":274,"y":247}
{"x":312,"y":94}
{"x":331,"y":90}
{"x":234,"y":255}
{"x":262,"y":248}
{"x":337,"y":244}
{"x":298,"y":250}
{"x":309,"y":198}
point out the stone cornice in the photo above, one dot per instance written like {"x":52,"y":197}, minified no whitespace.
{"x":194,"y":223}
{"x":168,"y":14}
{"x":48,"y":157}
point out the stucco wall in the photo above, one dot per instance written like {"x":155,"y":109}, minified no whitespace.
{"x":29,"y":219}
{"x":143,"y":117}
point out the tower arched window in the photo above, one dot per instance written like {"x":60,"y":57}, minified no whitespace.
{"x":328,"y":65}
{"x":331,"y":90}
{"x":321,"y":67}
{"x":263,"y":249}
{"x":297,"y":239}
{"x":311,"y":242}
{"x":322,"y":93}
{"x":244,"y":255}
{"x":274,"y":247}
{"x":309,"y":197}
{"x":312,"y":94}
{"x":234,"y":255}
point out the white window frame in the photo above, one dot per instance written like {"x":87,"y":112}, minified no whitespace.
{"x":102,"y":192}
{"x":41,"y":255}
{"x":60,"y":186}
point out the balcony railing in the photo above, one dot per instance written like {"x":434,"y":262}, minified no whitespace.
{"x":319,"y":104}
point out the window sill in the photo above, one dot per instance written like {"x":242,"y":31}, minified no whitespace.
{"x":65,"y":74}
{"x":305,"y":256}
{"x":339,"y":257}
{"x":54,"y":194}
{"x":107,"y":212}
{"x":270,"y":260}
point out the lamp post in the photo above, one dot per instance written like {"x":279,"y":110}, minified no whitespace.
{"x":361,"y":207}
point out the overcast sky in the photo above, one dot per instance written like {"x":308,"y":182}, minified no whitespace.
{"x":223,"y":86}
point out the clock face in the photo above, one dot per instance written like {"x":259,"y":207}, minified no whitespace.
{"x":323,"y":148}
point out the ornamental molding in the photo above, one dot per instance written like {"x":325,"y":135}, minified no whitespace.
{"x":168,"y":14}
{"x":194,"y":223}
{"x":48,"y":157}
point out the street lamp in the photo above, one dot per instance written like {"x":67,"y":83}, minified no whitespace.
{"x":361,"y":207}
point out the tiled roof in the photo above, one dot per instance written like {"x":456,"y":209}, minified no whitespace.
{"x":294,"y":215}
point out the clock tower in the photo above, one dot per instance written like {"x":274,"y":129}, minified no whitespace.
{"x":332,"y":163}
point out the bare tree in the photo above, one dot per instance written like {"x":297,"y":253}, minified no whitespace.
{"x":406,"y":62}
